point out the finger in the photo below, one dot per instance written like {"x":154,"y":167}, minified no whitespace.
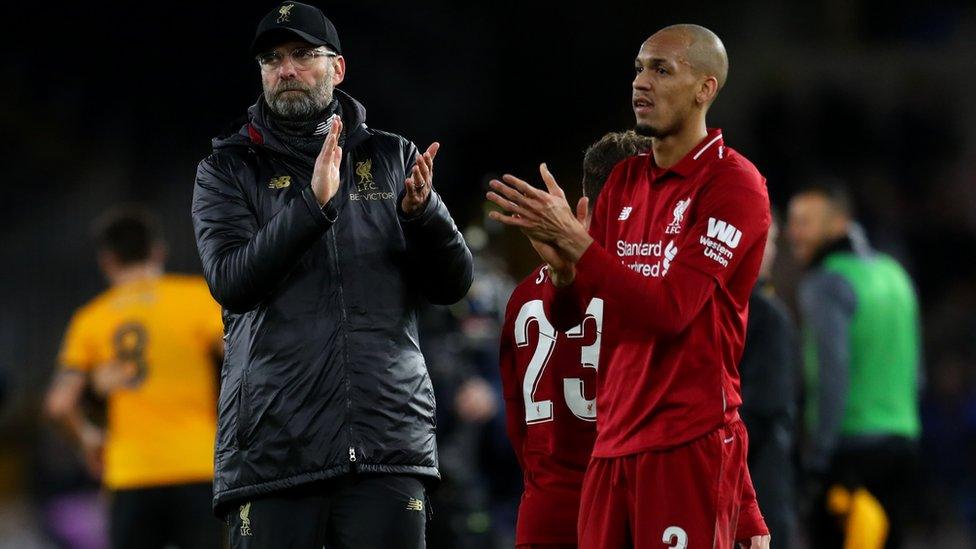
{"x":418,"y":165}
{"x":420,"y":188}
{"x":509,"y":220}
{"x":419,"y":180}
{"x":413,"y":182}
{"x":336,"y":127}
{"x":522,"y":186}
{"x":424,"y":169}
{"x":582,"y":208}
{"x":327,"y":147}
{"x":550,"y":181}
{"x":430,"y":167}
{"x":432,"y":150}
{"x":508,"y":205}
{"x":511,"y":193}
{"x":333,"y":135}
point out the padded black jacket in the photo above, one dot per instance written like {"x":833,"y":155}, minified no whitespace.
{"x":322,"y":372}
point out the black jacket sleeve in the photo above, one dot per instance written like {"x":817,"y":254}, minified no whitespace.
{"x":243,"y":262}
{"x":768,"y":367}
{"x":441,"y":259}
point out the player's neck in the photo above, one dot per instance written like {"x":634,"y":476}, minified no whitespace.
{"x":669,"y":150}
{"x":134,"y":273}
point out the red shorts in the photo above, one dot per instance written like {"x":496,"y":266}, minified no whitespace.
{"x":685,"y":497}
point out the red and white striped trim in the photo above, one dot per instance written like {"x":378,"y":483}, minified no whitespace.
{"x":707,"y":145}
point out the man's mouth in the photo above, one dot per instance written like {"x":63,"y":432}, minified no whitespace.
{"x":642,"y":105}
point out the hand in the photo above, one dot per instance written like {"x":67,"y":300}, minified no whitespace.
{"x":421,"y":180}
{"x":543,"y":216}
{"x":757,"y":542}
{"x":562,"y":271}
{"x":111,"y":376}
{"x":325,"y":176}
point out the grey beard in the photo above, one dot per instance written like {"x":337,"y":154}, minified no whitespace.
{"x":303,"y":107}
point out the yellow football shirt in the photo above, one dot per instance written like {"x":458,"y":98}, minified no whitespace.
{"x":161,"y":425}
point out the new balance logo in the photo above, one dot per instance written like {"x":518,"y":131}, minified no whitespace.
{"x":415,"y":505}
{"x":724,"y":232}
{"x":625,"y":213}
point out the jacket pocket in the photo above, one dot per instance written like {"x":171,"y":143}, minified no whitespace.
{"x":242,"y":411}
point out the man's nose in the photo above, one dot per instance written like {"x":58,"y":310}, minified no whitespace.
{"x":287,"y":69}
{"x":641,"y":81}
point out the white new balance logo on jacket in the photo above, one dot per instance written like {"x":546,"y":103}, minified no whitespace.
{"x":724,"y":231}
{"x":625,"y":213}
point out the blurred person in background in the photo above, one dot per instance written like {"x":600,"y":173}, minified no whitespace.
{"x":862,"y":359}
{"x":321,"y":237}
{"x":148,"y":345}
{"x":480,"y":328}
{"x":479,"y":474}
{"x":549,"y":383}
{"x":769,"y":370}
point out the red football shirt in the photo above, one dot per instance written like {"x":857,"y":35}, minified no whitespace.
{"x":675,"y":255}
{"x":548,"y":380}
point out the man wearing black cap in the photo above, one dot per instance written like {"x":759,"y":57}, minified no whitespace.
{"x":320,"y":237}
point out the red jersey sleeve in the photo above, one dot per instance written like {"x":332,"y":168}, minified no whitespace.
{"x":732,"y":216}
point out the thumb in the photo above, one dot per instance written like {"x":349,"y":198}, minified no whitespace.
{"x":582,"y":209}
{"x":550,"y":181}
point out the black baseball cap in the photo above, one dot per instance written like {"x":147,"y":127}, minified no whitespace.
{"x":291,"y":20}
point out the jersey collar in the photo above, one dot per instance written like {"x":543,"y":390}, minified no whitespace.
{"x":711,"y":147}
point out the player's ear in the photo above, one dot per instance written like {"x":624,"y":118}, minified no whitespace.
{"x":707,"y":91}
{"x":338,"y":70}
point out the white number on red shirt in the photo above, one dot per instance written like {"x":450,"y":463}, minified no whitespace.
{"x":540,"y":411}
{"x":582,"y":407}
{"x":675,"y":537}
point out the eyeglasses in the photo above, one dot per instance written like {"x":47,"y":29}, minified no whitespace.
{"x":303,"y":58}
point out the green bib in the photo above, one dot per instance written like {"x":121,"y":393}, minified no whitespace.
{"x":884,"y":349}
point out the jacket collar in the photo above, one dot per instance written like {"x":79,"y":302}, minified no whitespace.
{"x":842,"y":244}
{"x":855,"y":241}
{"x":253,"y":132}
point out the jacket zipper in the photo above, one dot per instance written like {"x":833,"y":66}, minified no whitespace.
{"x":345,"y":323}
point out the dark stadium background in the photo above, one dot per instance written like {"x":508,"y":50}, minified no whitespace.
{"x":103,"y":103}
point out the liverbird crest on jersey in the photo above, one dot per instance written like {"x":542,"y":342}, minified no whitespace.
{"x":679,"y":216}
